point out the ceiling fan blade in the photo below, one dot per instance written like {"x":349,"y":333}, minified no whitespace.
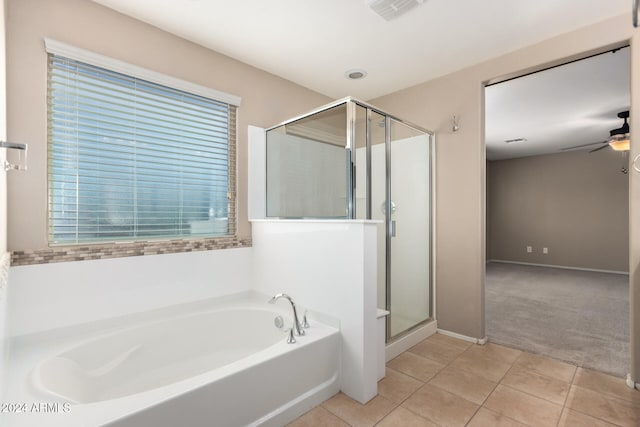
{"x":582,"y":145}
{"x":599,"y":148}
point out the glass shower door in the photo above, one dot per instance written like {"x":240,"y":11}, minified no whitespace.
{"x":378,"y":199}
{"x":408,"y":227}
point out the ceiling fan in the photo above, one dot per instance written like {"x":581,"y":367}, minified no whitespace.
{"x":618,"y":138}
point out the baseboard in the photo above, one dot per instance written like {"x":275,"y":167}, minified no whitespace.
{"x":631,"y":383}
{"x":481,"y":341}
{"x":565,"y":267}
{"x":399,"y":346}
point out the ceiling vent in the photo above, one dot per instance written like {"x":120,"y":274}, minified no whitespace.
{"x":511,"y":141}
{"x":391,"y":9}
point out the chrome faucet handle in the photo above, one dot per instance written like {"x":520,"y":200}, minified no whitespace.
{"x":305,"y":323}
{"x":290,"y":338}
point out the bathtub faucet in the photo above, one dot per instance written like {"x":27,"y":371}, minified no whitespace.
{"x":296,"y":323}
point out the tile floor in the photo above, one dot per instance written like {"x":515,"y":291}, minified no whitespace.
{"x":444,"y":381}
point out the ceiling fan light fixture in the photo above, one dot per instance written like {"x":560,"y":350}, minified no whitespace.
{"x":620,"y":142}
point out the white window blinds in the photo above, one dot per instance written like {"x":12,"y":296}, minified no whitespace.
{"x":133,"y":160}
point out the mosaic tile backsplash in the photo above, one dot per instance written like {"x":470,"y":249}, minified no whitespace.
{"x":117,"y":250}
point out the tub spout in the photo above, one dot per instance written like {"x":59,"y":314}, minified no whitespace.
{"x":296,"y":323}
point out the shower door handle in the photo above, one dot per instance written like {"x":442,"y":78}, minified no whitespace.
{"x":393,"y":228}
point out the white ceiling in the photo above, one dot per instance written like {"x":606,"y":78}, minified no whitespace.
{"x":314,"y":42}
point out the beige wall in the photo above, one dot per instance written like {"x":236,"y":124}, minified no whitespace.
{"x":576,"y":204}
{"x":634,"y":211}
{"x":266,"y":99}
{"x":3,"y":202}
{"x":3,"y":133}
{"x":460,"y":160}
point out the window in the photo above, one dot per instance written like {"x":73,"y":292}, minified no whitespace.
{"x":134,"y":160}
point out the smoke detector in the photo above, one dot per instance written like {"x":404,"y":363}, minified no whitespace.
{"x":391,"y":9}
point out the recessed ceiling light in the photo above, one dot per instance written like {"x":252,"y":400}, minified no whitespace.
{"x":355,"y":74}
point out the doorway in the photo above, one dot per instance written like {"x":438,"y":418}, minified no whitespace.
{"x":557,"y":212}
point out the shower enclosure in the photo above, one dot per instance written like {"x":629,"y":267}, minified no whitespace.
{"x":350,"y":160}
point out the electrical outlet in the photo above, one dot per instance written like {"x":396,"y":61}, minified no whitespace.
{"x":529,"y":249}
{"x":545,"y":250}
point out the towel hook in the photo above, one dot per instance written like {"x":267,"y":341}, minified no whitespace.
{"x":22,"y":148}
{"x":455,"y":126}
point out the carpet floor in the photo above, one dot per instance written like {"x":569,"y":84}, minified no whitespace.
{"x":576,"y":316}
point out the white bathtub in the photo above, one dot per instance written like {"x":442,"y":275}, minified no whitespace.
{"x":225,"y":366}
